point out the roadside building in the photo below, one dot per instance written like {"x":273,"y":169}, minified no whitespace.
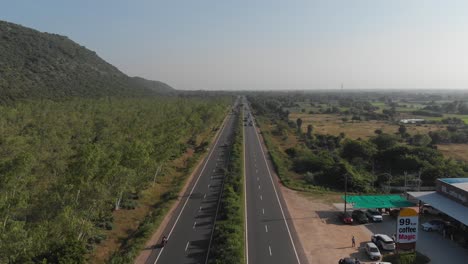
{"x":412,"y":121}
{"x":450,"y":198}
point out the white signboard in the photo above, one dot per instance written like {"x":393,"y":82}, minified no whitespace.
{"x":407,"y":229}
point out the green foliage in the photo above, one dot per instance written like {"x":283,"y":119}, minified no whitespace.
{"x":42,"y":65}
{"x":228,"y":237}
{"x":299,"y":124}
{"x":384,"y":141}
{"x":421,"y":140}
{"x":352,"y":149}
{"x":406,"y":258}
{"x":65,"y":166}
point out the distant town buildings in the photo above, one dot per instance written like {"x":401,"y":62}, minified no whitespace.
{"x":411,"y":121}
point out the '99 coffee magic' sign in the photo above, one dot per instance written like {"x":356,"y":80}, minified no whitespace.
{"x":407,"y":226}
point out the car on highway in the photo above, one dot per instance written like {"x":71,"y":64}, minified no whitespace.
{"x":383,"y":241}
{"x":374,"y":215}
{"x":372,"y":251}
{"x":345,"y":218}
{"x":359,"y":217}
{"x":434,"y":225}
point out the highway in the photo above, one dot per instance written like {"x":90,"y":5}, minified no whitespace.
{"x":270,"y":237}
{"x":190,"y":229}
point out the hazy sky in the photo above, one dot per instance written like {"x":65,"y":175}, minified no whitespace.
{"x":234,"y":44}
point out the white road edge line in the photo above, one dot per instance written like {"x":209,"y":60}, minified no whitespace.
{"x":277,"y":198}
{"x":194,"y":185}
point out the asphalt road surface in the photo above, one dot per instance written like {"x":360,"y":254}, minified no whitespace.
{"x":189,"y":231}
{"x":270,"y":237}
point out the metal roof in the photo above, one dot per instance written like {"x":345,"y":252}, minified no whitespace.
{"x":378,"y":201}
{"x":454,"y":180}
{"x":443,"y":204}
{"x":460,"y":183}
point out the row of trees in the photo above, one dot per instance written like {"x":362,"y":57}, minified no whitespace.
{"x":65,"y":166}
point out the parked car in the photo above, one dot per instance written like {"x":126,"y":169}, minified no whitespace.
{"x":428,"y":209}
{"x":374,"y":215}
{"x":383,"y":241}
{"x":345,"y":218}
{"x":434,"y":225}
{"x":347,"y":261}
{"x":359,"y":217}
{"x":373,"y":251}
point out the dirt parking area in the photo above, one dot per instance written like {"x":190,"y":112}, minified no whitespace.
{"x":324,"y":238}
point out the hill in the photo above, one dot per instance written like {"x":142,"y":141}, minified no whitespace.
{"x":42,"y":65}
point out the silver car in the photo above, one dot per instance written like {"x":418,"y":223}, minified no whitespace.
{"x":373,"y":251}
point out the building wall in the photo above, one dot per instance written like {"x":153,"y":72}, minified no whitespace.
{"x":452,"y":192}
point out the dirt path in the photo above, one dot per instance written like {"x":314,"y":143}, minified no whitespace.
{"x":324,"y":239}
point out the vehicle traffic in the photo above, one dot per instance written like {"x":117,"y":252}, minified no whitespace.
{"x":373,"y":251}
{"x":359,"y":217}
{"x":434,"y":225}
{"x":345,"y":218}
{"x":374,"y":215}
{"x":383,"y":241}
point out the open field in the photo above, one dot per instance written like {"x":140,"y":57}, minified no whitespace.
{"x":455,"y":151}
{"x":332,"y":124}
{"x":462,"y":117}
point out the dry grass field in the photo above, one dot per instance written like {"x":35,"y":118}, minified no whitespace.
{"x":332,"y":124}
{"x":455,"y":151}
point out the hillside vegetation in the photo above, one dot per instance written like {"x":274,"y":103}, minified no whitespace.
{"x":43,"y":65}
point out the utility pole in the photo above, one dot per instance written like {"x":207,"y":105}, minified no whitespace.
{"x":345,"y":191}
{"x":419,"y":180}
{"x":406,"y":188}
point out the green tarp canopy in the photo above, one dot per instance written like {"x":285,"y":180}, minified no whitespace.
{"x":377,"y":201}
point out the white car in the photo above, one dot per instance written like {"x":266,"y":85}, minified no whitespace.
{"x":374,"y":215}
{"x":383,"y":241}
{"x":373,"y":251}
{"x":433,"y":225}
